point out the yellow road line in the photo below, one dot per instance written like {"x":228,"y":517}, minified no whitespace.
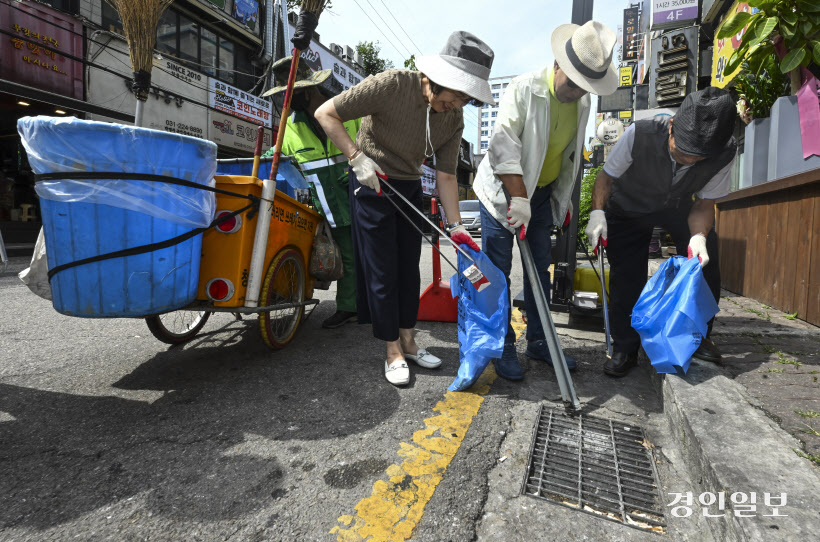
{"x":396,"y":506}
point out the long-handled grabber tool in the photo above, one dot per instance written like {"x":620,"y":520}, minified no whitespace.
{"x":559,"y":362}
{"x":472,"y":273}
{"x":604,"y":294}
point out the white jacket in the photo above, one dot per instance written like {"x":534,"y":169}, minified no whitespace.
{"x":519,"y":146}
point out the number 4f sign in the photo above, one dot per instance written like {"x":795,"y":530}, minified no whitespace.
{"x":673,"y":13}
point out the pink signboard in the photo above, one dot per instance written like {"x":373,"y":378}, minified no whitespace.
{"x":33,"y":54}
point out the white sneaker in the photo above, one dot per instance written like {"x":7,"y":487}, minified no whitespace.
{"x":397,"y":373}
{"x":425,"y":359}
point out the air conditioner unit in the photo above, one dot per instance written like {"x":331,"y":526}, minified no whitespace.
{"x":348,"y":53}
{"x":358,"y":59}
{"x":336,"y":49}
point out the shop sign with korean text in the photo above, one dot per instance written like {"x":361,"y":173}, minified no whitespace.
{"x":236,"y":133}
{"x":673,"y":13}
{"x":176,"y":102}
{"x":631,"y":33}
{"x":229,"y":99}
{"x":725,"y":48}
{"x":318,"y":58}
{"x":34,"y":46}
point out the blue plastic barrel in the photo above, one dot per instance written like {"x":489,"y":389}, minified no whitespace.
{"x":288,"y":178}
{"x":82,"y":219}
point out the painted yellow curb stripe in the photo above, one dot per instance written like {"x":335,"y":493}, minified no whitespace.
{"x":395,"y":507}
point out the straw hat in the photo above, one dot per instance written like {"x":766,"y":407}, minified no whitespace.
{"x":463,"y":65}
{"x":584,"y":53}
{"x":305,"y":77}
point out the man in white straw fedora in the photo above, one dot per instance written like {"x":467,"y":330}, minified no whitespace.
{"x":534,"y":156}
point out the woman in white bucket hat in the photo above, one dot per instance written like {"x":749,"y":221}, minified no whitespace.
{"x":407,"y":117}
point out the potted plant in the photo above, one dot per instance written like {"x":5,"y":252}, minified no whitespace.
{"x":757,"y":93}
{"x":794,"y":22}
{"x":789,"y":29}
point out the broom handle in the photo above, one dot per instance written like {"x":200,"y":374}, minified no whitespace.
{"x":257,"y":152}
{"x":260,"y":240}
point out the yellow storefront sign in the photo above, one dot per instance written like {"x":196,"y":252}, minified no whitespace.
{"x":626,"y":76}
{"x":724,"y":48}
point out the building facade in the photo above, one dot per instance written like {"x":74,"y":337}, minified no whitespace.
{"x":488,"y":114}
{"x":69,"y":58}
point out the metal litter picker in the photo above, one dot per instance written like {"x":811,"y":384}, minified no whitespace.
{"x":604,"y":294}
{"x":559,"y":362}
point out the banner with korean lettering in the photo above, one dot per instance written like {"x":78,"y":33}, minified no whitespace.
{"x":236,"y":133}
{"x":33,"y":53}
{"x":673,"y":13}
{"x":318,"y":58}
{"x":631,"y":27}
{"x":725,"y":48}
{"x":229,"y":99}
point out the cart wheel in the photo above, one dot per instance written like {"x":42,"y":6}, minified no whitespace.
{"x":178,"y":326}
{"x":284,"y":283}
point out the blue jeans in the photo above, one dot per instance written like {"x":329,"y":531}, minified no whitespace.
{"x":497,"y":243}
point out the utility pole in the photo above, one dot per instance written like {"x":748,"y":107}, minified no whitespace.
{"x":564,"y":253}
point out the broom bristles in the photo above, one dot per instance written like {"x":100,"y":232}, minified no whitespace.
{"x":139,"y":23}
{"x":314,"y":6}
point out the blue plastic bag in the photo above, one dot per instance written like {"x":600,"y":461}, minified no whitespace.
{"x":672,"y":313}
{"x":482,"y":318}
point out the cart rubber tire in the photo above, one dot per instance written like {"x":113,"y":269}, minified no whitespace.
{"x":170,"y":331}
{"x":284,"y":283}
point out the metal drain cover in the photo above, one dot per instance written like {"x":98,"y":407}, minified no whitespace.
{"x":601,"y":467}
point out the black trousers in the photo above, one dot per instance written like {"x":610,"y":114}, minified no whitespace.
{"x":387,"y":250}
{"x":628,"y":253}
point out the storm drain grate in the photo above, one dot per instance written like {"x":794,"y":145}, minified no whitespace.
{"x":598,"y":466}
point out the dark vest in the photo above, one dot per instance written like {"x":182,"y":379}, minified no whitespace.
{"x":646,"y":187}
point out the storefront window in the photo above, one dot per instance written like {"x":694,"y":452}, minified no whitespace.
{"x":226,"y":63}
{"x":209,"y":52}
{"x":110,"y":18}
{"x":188,"y":39}
{"x":167,"y":33}
{"x":244,"y":69}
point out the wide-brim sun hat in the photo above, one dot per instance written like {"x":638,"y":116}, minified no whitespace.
{"x":463,"y":65}
{"x":584,"y":54}
{"x":305,"y":77}
{"x":705,"y":122}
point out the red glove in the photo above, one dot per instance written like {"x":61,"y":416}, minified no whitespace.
{"x":460,"y":236}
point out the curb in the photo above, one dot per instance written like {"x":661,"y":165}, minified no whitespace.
{"x":730,"y":445}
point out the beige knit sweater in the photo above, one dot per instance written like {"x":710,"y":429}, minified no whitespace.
{"x":394,"y":116}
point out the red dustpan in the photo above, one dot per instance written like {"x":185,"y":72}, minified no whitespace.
{"x":436,"y":303}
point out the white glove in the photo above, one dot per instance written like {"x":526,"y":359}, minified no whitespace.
{"x":365,"y":169}
{"x":596,"y":228}
{"x":519,"y":212}
{"x":697,"y":249}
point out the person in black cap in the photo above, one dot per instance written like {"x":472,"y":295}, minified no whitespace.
{"x":663,"y":171}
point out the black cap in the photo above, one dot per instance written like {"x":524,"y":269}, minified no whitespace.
{"x":705,"y":122}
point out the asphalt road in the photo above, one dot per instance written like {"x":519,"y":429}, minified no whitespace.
{"x":108,"y":434}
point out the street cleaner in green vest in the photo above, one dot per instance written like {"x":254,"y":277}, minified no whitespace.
{"x":663,"y":171}
{"x":325,"y":168}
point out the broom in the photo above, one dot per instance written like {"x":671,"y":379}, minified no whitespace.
{"x":308,"y":20}
{"x":139,"y":22}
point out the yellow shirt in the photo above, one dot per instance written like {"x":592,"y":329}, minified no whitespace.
{"x":563,"y":126}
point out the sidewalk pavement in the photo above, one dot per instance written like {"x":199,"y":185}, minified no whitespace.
{"x":752,"y":423}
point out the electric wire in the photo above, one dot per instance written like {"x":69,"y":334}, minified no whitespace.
{"x":410,"y":53}
{"x":402,"y":28}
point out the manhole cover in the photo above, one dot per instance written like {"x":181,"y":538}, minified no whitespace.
{"x":601,"y":467}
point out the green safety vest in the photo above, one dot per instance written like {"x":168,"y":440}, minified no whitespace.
{"x":325,"y":166}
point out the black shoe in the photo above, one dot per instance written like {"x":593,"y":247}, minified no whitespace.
{"x":339,"y":319}
{"x":707,"y":351}
{"x":620,"y":364}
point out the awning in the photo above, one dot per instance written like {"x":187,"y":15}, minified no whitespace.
{"x":24,"y":91}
